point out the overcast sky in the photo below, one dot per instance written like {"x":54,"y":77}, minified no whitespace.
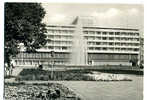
{"x":105,"y":15}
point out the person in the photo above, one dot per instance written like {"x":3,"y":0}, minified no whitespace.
{"x":40,"y":66}
{"x":6,"y":69}
{"x":11,"y":67}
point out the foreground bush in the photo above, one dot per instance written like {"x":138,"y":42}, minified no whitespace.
{"x":49,"y":91}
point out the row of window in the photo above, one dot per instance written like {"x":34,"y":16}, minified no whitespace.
{"x":58,"y":47}
{"x":41,"y":55}
{"x":93,"y":37}
{"x":94,"y":48}
{"x":112,"y":56}
{"x":61,"y":31}
{"x":94,"y":32}
{"x":113,"y":49}
{"x":37,"y":62}
{"x":109,"y":56}
{"x":92,"y":43}
{"x":59,"y":37}
{"x":112,"y":43}
{"x":111,"y":38}
{"x":111,"y":33}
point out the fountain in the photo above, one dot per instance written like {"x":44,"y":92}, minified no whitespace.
{"x":79,"y":54}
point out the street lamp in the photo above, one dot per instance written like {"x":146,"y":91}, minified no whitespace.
{"x":52,"y":57}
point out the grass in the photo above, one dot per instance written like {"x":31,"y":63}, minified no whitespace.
{"x":76,"y":74}
{"x":36,"y":74}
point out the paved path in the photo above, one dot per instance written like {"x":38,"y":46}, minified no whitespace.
{"x":17,"y":70}
{"x":15,"y":73}
{"x":90,"y":90}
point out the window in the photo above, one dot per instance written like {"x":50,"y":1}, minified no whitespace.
{"x":59,"y":31}
{"x":130,"y":39}
{"x":104,"y":48}
{"x":64,"y":48}
{"x":126,"y":39}
{"x":136,"y":44}
{"x":104,"y":43}
{"x":91,"y":43}
{"x":111,"y":38}
{"x":123,"y":33}
{"x":123,"y":49}
{"x":137,"y":34}
{"x":98,"y":43}
{"x":91,"y":48}
{"x":117,"y":49}
{"x":123,"y":44}
{"x":104,"y":33}
{"x":129,"y":49}
{"x":91,"y":32}
{"x":111,"y":43}
{"x":117,"y":33}
{"x":57,"y":48}
{"x":91,"y":37}
{"x":136,"y":39}
{"x":97,"y":48}
{"x":98,"y":38}
{"x":117,"y":44}
{"x":127,"y":44}
{"x":136,"y":49}
{"x":111,"y":33}
{"x":131,"y":34}
{"x":86,"y":37}
{"x":123,"y":39}
{"x":104,"y":38}
{"x":111,"y":49}
{"x":117,"y":38}
{"x":98,"y":33}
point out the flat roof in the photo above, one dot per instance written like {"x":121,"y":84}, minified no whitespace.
{"x":92,"y":27}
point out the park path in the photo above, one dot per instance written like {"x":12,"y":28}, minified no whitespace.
{"x":16,"y":71}
{"x":124,"y":90}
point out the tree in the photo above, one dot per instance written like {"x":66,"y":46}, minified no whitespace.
{"x":23,"y":24}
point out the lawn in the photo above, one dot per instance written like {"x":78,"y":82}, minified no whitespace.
{"x":74,"y":75}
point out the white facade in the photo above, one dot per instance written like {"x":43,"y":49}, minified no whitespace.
{"x":123,"y":43}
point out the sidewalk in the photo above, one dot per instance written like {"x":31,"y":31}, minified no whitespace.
{"x":15,"y":73}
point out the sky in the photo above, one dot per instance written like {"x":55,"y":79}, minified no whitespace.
{"x":104,"y":15}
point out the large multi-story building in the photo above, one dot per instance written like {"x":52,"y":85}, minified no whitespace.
{"x":83,"y":43}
